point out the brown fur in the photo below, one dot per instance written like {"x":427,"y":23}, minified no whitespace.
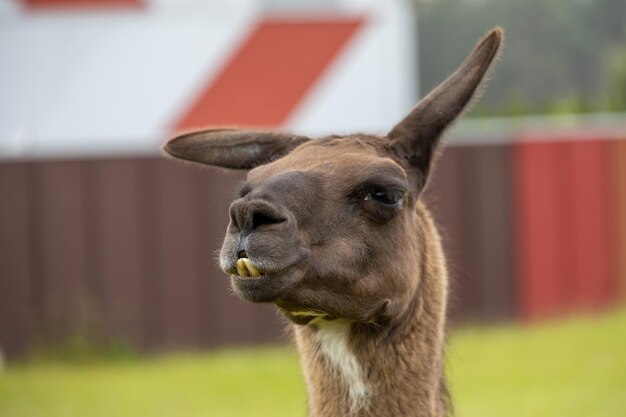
{"x":404,"y":359}
{"x":347,"y":251}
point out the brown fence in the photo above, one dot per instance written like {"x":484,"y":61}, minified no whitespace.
{"x":471,"y":199}
{"x":125,"y":249}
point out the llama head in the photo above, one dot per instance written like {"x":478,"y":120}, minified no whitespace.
{"x":327,"y":227}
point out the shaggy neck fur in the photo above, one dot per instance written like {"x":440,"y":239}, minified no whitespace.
{"x":393,"y":370}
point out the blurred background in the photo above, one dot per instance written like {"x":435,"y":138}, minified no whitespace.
{"x":110,"y":298}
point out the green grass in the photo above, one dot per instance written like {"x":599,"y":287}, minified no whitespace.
{"x":575,"y":368}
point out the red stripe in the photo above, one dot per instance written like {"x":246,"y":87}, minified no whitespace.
{"x":619,"y":233}
{"x":566,"y":236}
{"x":564,"y":226}
{"x":589,"y":182}
{"x":270,"y":73}
{"x":81,"y":4}
{"x":536,"y":218}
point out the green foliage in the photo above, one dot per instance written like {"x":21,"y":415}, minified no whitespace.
{"x":557,"y":56}
{"x":615,"y":91}
{"x":575,"y":368}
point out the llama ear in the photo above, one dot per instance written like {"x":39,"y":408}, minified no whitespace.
{"x":415,"y":138}
{"x":232,"y":148}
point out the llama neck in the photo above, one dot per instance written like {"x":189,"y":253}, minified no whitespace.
{"x":394,"y":370}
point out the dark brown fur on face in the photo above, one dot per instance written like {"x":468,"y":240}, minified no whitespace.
{"x":335,"y":230}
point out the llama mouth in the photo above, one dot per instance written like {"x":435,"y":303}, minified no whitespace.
{"x":261,"y":286}
{"x":246,"y":269}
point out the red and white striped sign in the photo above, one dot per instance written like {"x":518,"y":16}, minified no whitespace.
{"x":93,"y":77}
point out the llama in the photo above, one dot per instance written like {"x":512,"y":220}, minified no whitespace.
{"x":333,"y":232}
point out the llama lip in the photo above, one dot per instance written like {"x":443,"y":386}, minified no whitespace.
{"x":268,"y":287}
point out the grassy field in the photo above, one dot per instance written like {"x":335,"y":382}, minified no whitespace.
{"x":575,"y":368}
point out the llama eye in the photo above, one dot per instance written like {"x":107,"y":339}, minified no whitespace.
{"x":386,"y":197}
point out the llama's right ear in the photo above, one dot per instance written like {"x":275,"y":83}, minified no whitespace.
{"x":232,"y":148}
{"x":415,"y":139}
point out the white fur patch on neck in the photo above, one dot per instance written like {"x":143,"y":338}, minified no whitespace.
{"x":333,"y":341}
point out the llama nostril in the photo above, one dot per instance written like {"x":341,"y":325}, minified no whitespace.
{"x":245,"y":216}
{"x":242,"y":254}
{"x":263,"y":218}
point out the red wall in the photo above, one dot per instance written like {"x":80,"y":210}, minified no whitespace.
{"x":566,"y":218}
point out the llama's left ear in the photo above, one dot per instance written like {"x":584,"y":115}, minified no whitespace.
{"x":233,"y":148}
{"x":415,"y":138}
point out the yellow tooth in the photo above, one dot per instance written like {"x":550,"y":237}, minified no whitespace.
{"x":251,"y":268}
{"x":241,"y":268}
